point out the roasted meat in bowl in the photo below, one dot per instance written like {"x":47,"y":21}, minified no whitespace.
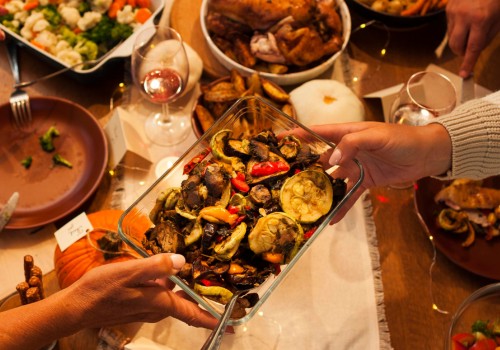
{"x":286,"y":42}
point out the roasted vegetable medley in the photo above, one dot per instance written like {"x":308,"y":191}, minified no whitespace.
{"x":74,"y":31}
{"x":483,"y":335}
{"x":246,"y":207}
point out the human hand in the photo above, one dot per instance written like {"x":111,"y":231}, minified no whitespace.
{"x":2,"y":35}
{"x":133,"y":291}
{"x":389,"y":153}
{"x":471,"y":27}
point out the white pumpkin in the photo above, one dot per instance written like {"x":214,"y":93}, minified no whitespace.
{"x":322,"y":101}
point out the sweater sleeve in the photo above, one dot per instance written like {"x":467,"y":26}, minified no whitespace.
{"x":474,"y":129}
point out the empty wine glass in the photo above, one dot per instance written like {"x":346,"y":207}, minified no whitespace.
{"x":160,"y":69}
{"x":426,"y":95}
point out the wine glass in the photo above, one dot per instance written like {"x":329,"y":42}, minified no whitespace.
{"x":160,"y":69}
{"x":426,"y":95}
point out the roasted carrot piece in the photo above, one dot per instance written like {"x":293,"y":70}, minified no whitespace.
{"x":143,"y":3}
{"x":30,"y":5}
{"x":37,"y":44}
{"x":116,"y":6}
{"x":132,"y":3}
{"x":414,"y":9}
{"x":142,"y":15}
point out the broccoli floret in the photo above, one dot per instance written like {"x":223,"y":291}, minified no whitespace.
{"x":46,"y":140}
{"x":68,"y":35}
{"x":88,"y":49}
{"x":108,"y":33}
{"x":121,"y":31}
{"x":26,"y":162}
{"x":51,"y":14}
{"x":101,"y":31}
{"x":59,"y":160}
{"x":83,"y":7}
{"x":482,"y":327}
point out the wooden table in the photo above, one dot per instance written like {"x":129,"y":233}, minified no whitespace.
{"x":405,"y":252}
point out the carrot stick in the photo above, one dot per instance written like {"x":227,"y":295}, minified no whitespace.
{"x":414,"y":9}
{"x":425,"y":8}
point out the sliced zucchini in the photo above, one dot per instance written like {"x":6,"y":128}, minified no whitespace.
{"x":165,"y":200}
{"x":218,"y":143}
{"x":307,"y":196}
{"x":276,"y":233}
{"x":228,"y":247}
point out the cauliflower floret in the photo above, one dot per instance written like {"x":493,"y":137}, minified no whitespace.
{"x":61,"y":45}
{"x":14,"y":6}
{"x":40,"y":25}
{"x":100,"y":6}
{"x":47,"y":39}
{"x":27,"y":29}
{"x":69,"y":56}
{"x":89,"y":20}
{"x":125,"y":15}
{"x":69,"y":3}
{"x":21,"y":16}
{"x":70,"y":16}
{"x":44,"y":2}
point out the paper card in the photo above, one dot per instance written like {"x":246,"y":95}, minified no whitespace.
{"x":126,"y":144}
{"x":73,"y":231}
{"x":384,"y":98}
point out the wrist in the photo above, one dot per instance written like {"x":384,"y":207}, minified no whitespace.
{"x":438,"y":157}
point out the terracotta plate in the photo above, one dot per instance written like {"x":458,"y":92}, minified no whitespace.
{"x":482,"y":257}
{"x":47,"y":192}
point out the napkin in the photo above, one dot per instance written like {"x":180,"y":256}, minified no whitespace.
{"x":331,"y":299}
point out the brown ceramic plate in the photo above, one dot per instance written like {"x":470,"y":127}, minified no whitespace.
{"x":482,"y":257}
{"x":46,"y":192}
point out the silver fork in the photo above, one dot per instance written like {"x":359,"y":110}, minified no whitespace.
{"x":19,"y":99}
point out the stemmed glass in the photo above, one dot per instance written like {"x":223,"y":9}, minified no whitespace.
{"x":160,"y":69}
{"x":426,"y":95}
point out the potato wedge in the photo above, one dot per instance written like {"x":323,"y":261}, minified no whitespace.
{"x":205,"y":118}
{"x":273,"y":92}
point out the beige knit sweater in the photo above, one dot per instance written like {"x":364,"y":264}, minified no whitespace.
{"x":474,"y":129}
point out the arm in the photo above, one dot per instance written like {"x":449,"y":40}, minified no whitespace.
{"x":471,"y":27}
{"x":131,"y":291}
{"x":474,"y":129}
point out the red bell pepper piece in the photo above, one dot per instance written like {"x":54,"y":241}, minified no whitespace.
{"x":464,"y":339}
{"x":239,"y":183}
{"x":484,"y":344}
{"x":268,"y":168}
{"x":310,"y":232}
{"x":196,"y":160}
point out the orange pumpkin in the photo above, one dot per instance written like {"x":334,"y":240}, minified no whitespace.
{"x":82,"y":256}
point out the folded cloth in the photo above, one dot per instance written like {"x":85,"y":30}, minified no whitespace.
{"x":331,"y":299}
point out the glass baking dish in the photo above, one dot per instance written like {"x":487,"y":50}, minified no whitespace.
{"x":247,"y":117}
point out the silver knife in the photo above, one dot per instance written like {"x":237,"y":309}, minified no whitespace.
{"x":468,"y":89}
{"x":8,"y":210}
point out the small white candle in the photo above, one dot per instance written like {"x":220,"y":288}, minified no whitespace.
{"x":163,"y":165}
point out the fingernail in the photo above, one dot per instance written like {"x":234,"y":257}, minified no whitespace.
{"x":178,"y":261}
{"x":335,"y":157}
{"x":464,"y":74}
